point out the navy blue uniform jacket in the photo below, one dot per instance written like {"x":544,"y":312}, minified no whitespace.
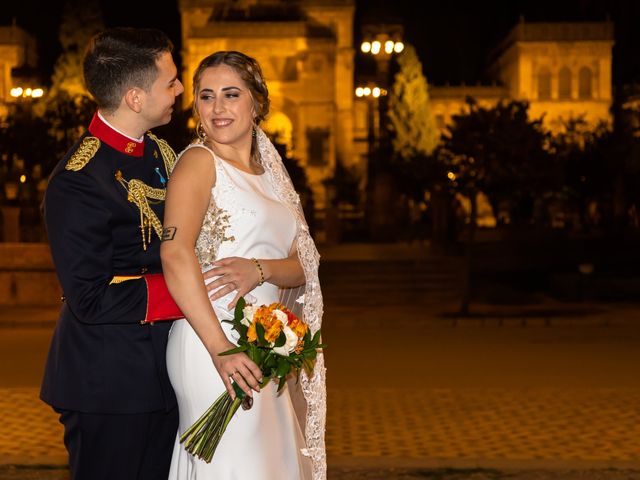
{"x":102,"y":359}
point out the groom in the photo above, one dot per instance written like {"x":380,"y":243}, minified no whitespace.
{"x":106,"y":374}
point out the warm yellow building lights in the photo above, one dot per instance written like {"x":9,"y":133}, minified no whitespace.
{"x":370,"y":92}
{"x":26,"y":92}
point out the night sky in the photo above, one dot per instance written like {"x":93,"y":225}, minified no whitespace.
{"x":454,"y":39}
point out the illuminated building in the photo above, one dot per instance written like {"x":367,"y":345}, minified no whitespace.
{"x":562,"y":69}
{"x":17,"y":56}
{"x":305,"y":49}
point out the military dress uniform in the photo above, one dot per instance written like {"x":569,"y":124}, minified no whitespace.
{"x":106,"y":372}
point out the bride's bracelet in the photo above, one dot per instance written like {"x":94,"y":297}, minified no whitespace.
{"x":260,"y":270}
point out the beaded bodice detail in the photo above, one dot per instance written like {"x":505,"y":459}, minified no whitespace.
{"x":213,"y":233}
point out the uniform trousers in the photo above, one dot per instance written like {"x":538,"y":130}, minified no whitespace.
{"x":119,"y":446}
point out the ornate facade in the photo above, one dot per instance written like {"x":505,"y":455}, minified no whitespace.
{"x":562,"y":69}
{"x":305,"y":48}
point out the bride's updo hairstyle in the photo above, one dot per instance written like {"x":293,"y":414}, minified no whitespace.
{"x":250,"y":72}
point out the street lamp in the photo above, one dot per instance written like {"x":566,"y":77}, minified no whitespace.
{"x":382,"y":41}
{"x":372,"y":94}
{"x":16,"y":180}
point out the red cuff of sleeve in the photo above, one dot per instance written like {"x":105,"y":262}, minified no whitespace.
{"x":160,"y":304}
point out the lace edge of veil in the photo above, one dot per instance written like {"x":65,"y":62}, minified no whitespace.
{"x":314,"y":386}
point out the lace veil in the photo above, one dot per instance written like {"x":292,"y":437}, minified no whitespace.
{"x":309,"y":395}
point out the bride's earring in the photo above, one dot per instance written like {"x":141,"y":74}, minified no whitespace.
{"x":202,"y":135}
{"x":254,"y":129}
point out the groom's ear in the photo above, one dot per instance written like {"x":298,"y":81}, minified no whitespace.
{"x":133,"y":99}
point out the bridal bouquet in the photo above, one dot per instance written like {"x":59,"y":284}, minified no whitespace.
{"x":279,"y":343}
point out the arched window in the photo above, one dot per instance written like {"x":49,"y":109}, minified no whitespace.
{"x":564,"y":84}
{"x":584,"y":83}
{"x":544,"y":84}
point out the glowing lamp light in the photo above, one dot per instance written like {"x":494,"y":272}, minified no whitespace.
{"x":26,"y":92}
{"x":365,"y":47}
{"x":23,"y":178}
{"x":451,"y":176}
{"x":388,"y":47}
{"x":375,"y":47}
{"x":398,"y":47}
{"x":370,"y":90}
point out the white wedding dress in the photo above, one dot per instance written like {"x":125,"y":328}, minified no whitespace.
{"x":244,"y":219}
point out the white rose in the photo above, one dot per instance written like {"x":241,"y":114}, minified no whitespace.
{"x":248,"y":313}
{"x":290,"y":343}
{"x":280,"y":315}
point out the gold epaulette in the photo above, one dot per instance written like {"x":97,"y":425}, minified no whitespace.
{"x":83,"y":154}
{"x":168,"y":155}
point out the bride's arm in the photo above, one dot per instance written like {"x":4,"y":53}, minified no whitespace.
{"x":244,"y":274}
{"x":285,"y":273}
{"x":188,"y":195}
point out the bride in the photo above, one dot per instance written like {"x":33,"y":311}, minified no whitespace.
{"x":232,"y":213}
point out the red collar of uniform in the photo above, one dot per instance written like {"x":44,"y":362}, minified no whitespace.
{"x":108,"y":135}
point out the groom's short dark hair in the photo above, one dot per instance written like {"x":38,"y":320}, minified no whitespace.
{"x":118,"y":59}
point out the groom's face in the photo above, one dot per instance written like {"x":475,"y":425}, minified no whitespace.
{"x":160,"y":98}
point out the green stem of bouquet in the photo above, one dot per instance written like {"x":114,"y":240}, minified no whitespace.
{"x":202,"y":438}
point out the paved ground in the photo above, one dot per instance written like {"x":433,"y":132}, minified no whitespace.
{"x":415,"y":393}
{"x":60,"y":473}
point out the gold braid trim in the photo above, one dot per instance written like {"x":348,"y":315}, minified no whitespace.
{"x":123,"y":278}
{"x":138,"y":193}
{"x":83,"y":154}
{"x":168,"y":155}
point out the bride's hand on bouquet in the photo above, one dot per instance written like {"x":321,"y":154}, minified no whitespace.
{"x":234,"y":274}
{"x":238,"y":368}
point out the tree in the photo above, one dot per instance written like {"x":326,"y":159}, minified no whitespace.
{"x":68,"y":117}
{"x":410,"y":117}
{"x":501,"y":152}
{"x":619,"y":149}
{"x":81,"y":19}
{"x":68,"y":106}
{"x":22,"y":150}
{"x":581,"y":151}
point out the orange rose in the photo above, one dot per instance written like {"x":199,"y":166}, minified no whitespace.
{"x":298,"y":326}
{"x":272,"y":332}
{"x":252,"y":336}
